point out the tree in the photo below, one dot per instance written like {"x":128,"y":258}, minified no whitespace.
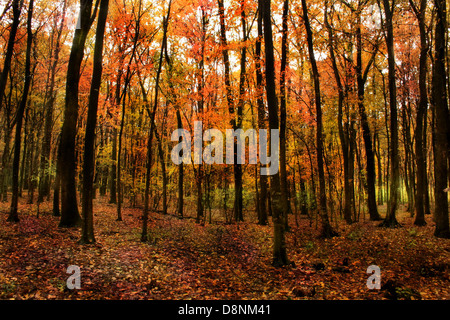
{"x":237,"y":168}
{"x":151,"y":114}
{"x":13,"y":215}
{"x":390,"y":219}
{"x":421,"y":190}
{"x":442,"y":119}
{"x":361,"y":82}
{"x":70,"y":216}
{"x":87,"y":235}
{"x":327,"y":230}
{"x":17,"y":8}
{"x":283,"y":102}
{"x":263,"y":194}
{"x":345,"y":135}
{"x":278,"y":215}
{"x":45,"y":174}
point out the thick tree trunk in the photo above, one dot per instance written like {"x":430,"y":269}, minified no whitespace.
{"x":441,"y":124}
{"x":70,"y":216}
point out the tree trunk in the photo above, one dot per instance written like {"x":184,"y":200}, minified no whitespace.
{"x":17,"y":8}
{"x":278,"y":215}
{"x":45,"y":174}
{"x":113,"y":177}
{"x":367,"y":137}
{"x":262,"y":213}
{"x":441,"y":124}
{"x":163,"y":171}
{"x":180,"y":203}
{"x":70,"y":216}
{"x":57,"y":187}
{"x":327,"y":230}
{"x":283,"y":69}
{"x":390,"y":219}
{"x":13,"y":215}
{"x":152,"y":113}
{"x":343,"y":134}
{"x":87,"y":234}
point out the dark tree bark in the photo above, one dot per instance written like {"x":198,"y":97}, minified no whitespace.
{"x":262,"y":213}
{"x":13,"y":215}
{"x":283,"y":67}
{"x":113,"y":172}
{"x":327,"y":230}
{"x":122,"y":99}
{"x":87,"y":234}
{"x":70,"y":216}
{"x":361,"y":77}
{"x":238,"y":196}
{"x":172,"y":99}
{"x":439,"y":94}
{"x":180,"y":203}
{"x":237,"y":168}
{"x":278,"y":215}
{"x":17,"y":8}
{"x":390,"y":219}
{"x":57,"y":187}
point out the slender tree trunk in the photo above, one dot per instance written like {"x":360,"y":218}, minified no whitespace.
{"x":180,"y":203}
{"x":278,"y":215}
{"x":87,"y":235}
{"x":283,"y":70}
{"x":45,"y":174}
{"x":119,"y":163}
{"x":238,"y":189}
{"x":237,"y":168}
{"x":327,"y":230}
{"x":439,"y":94}
{"x":163,"y":171}
{"x":152,"y":113}
{"x":263,"y":215}
{"x":17,"y":8}
{"x":13,"y":215}
{"x":57,"y":187}
{"x":113,"y":177}
{"x":391,"y":220}
{"x":367,"y":137}
{"x":348,"y":195}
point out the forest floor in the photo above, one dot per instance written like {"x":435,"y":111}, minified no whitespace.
{"x":185,"y":260}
